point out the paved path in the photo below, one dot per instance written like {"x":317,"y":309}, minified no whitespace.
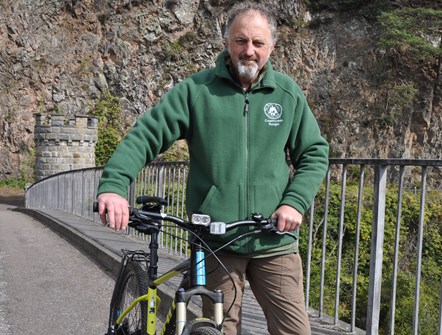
{"x":46,"y":284}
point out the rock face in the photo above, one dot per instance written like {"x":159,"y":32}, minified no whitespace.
{"x":60,"y":57}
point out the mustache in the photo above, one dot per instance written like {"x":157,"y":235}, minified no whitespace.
{"x":245,"y":59}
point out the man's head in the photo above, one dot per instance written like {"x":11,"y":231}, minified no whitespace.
{"x":250,"y":38}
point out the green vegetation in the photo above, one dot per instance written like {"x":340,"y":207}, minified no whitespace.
{"x":369,"y":9}
{"x":175,"y":50}
{"x":171,"y":50}
{"x":176,"y":153}
{"x":13,"y":183}
{"x":26,"y":175}
{"x":111,"y":127}
{"x":416,"y":31}
{"x":27,"y":168}
{"x":431,"y":261}
{"x":399,"y":98}
{"x":178,"y":54}
{"x":412,"y":36}
{"x":411,"y":39}
{"x":337,"y":4}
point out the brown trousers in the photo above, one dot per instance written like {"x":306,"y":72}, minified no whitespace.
{"x":276,"y":283}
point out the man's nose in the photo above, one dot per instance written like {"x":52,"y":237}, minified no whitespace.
{"x":250,"y":48}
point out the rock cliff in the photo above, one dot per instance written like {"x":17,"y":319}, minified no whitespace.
{"x":61,"y":56}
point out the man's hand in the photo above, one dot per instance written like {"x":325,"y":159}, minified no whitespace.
{"x":288,"y":218}
{"x":116,"y":208}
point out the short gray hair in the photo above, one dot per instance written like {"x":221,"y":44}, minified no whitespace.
{"x":246,"y":6}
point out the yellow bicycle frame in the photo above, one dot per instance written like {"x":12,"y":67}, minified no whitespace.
{"x":153,"y":300}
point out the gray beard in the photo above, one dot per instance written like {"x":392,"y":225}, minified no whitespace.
{"x":247,"y":72}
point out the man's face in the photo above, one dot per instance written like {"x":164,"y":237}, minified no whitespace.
{"x":249,"y":44}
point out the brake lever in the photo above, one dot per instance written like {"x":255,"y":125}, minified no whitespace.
{"x":143,"y":227}
{"x":271,"y":227}
{"x":286,"y":233}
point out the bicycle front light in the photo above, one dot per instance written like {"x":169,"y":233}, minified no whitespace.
{"x":201,"y":220}
{"x":217,"y":228}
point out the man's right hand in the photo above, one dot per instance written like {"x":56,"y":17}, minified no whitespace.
{"x":113,"y":210}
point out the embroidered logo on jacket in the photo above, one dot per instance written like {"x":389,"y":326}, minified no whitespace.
{"x":273,"y":111}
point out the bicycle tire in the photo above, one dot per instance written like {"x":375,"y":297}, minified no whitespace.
{"x":206,"y":331}
{"x":134,"y":283}
{"x":201,"y":326}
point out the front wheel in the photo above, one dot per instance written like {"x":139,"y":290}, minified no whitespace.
{"x":134,"y":283}
{"x":206,"y":331}
{"x":201,"y":327}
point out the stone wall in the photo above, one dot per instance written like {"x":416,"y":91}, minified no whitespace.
{"x":64,"y":144}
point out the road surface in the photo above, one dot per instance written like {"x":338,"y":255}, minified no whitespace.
{"x":47,"y":286}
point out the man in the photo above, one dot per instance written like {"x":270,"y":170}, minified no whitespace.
{"x":239,"y":118}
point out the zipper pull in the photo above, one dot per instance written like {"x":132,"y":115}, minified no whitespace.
{"x":246,"y":105}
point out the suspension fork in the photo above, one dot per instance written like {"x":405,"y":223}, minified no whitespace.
{"x":197,"y":283}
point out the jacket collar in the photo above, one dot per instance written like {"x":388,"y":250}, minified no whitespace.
{"x":266,"y":78}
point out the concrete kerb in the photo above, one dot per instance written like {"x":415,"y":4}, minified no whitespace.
{"x":107,"y":259}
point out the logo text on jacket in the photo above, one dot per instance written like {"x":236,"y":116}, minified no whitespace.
{"x":273,"y":111}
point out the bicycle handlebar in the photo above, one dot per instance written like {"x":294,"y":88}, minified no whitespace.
{"x":146,"y":220}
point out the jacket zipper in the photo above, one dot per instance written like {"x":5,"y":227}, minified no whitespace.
{"x":246,"y":132}
{"x":246,"y":104}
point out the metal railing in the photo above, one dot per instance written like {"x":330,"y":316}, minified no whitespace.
{"x":377,"y":188}
{"x":370,"y":250}
{"x":73,"y":192}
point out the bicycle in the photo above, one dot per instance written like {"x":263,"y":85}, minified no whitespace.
{"x":135,"y":301}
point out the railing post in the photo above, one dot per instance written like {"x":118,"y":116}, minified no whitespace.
{"x":160,"y":186}
{"x":376,"y":255}
{"x":420,"y":238}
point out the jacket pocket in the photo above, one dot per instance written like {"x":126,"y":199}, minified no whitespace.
{"x":208,"y":199}
{"x":266,"y":199}
{"x":222,"y":203}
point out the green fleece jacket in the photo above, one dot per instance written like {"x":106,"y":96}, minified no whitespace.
{"x":237,"y":145}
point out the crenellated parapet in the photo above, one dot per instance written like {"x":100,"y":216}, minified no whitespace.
{"x":64,"y":144}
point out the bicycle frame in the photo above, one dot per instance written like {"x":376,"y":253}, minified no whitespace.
{"x":192,"y":284}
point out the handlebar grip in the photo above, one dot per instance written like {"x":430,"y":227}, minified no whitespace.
{"x":145,"y":199}
{"x":273,"y":221}
{"x":95,"y":208}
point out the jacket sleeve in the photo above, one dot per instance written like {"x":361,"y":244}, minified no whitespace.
{"x":153,"y":133}
{"x":309,"y":156}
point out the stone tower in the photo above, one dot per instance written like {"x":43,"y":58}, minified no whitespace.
{"x":64,"y":144}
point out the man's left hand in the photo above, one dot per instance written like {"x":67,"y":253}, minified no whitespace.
{"x":288,"y":218}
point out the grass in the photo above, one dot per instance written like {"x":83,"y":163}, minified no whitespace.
{"x":13,"y":183}
{"x":12,"y":188}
